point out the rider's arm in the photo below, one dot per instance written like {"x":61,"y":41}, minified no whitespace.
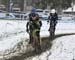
{"x":56,"y":15}
{"x":37,"y":16}
{"x":40,"y":23}
{"x":48,"y":19}
{"x":27,"y":25}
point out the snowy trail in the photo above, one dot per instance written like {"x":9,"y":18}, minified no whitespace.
{"x":13,"y":32}
{"x":46,"y":54}
{"x":63,"y":48}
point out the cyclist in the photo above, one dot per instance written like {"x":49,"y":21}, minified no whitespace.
{"x":33,"y":26}
{"x":53,"y":20}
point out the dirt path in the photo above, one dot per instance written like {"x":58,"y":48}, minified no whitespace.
{"x":46,"y":44}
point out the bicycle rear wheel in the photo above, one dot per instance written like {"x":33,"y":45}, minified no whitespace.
{"x":52,"y":29}
{"x":36,"y":43}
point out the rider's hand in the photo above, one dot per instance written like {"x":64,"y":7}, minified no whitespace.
{"x":47,"y":21}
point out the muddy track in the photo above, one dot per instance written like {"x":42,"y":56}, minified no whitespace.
{"x":46,"y":44}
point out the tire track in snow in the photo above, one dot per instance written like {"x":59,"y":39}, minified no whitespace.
{"x":45,"y":46}
{"x":5,"y":35}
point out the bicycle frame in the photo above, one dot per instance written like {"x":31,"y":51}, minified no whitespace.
{"x":36,"y":41}
{"x":52,"y":29}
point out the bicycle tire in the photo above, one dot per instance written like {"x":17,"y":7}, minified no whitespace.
{"x":36,"y":43}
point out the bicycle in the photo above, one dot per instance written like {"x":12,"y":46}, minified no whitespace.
{"x":36,"y":41}
{"x":52,"y":29}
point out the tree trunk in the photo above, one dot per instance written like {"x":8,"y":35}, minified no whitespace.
{"x":21,"y":5}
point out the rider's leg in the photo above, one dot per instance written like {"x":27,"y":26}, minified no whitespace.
{"x":38,"y":35}
{"x":30,"y":36}
{"x":52,"y":28}
{"x":55,"y":27}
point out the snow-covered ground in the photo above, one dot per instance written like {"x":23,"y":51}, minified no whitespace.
{"x":12,"y":32}
{"x":63,"y":49}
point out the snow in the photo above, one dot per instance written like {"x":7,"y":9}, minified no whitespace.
{"x":70,"y":9}
{"x":63,"y":48}
{"x":12,"y":32}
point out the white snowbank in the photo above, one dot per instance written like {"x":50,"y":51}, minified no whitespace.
{"x":70,"y":9}
{"x":63,"y":48}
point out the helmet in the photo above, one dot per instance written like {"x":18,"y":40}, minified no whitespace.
{"x":53,"y":11}
{"x":33,"y":10}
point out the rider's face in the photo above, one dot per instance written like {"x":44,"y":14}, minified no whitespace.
{"x":34,"y":18}
{"x":52,"y":13}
